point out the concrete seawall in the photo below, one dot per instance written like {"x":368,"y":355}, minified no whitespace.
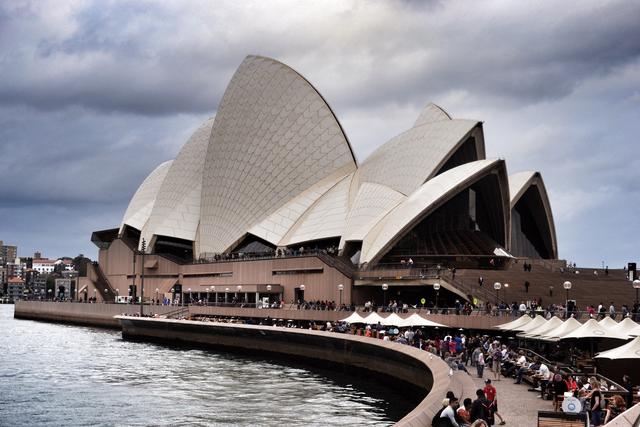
{"x":422,"y":372}
{"x":101,"y":315}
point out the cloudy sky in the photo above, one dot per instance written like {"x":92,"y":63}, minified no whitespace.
{"x":95,"y":94}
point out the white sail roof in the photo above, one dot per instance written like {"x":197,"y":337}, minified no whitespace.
{"x":274,"y":136}
{"x":275,"y":163}
{"x":142,"y":202}
{"x":176,"y":211}
{"x":419,"y":204}
{"x":408,"y":160}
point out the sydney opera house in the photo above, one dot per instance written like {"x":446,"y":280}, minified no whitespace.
{"x":267,"y":199}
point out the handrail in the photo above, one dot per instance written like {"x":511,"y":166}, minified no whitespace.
{"x":107,"y":292}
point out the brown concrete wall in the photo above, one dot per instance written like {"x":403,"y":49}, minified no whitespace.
{"x":81,"y":313}
{"x":407,"y":364}
{"x":117,"y":263}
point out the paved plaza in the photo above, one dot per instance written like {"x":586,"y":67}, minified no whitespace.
{"x":517,"y":406}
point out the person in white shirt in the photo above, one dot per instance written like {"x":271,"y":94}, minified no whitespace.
{"x":522,"y":308}
{"x":544,"y":376}
{"x":450,"y":411}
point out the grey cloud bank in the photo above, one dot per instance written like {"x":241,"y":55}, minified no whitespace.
{"x":94,"y":95}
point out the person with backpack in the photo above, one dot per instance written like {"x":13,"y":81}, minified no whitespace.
{"x":480,"y":408}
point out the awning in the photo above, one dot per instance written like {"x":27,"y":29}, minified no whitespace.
{"x":630,"y":350}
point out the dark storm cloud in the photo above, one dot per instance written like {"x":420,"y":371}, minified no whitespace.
{"x":148,"y":58}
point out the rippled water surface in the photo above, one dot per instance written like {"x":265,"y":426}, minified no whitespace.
{"x":61,"y":375}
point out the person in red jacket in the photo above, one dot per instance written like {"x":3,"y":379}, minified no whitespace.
{"x":492,"y":396}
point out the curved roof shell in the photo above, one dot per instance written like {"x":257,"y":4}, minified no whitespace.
{"x":519,"y":184}
{"x":408,"y":160}
{"x":431,"y":195}
{"x":275,"y":163}
{"x":274,"y":137}
{"x":142,"y":202}
{"x":176,"y":211}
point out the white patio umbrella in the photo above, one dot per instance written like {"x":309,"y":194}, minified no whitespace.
{"x":567,"y":326}
{"x":549,"y":326}
{"x":516,"y":324}
{"x":392,"y":320}
{"x":627,"y":326}
{"x":416,"y":320}
{"x":630,"y":350}
{"x":373,"y":319}
{"x":608,"y":322}
{"x":592,"y":329}
{"x":535,"y":323}
{"x":353,"y":318}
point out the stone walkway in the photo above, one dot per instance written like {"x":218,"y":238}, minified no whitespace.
{"x":517,"y":406}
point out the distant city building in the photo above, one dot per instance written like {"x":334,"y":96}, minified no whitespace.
{"x":64,"y":288}
{"x":15,"y":268}
{"x":7,"y":253}
{"x":15,"y":288}
{"x":44,"y":265}
{"x":39,"y":287}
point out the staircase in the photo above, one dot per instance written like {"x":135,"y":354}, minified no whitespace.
{"x":342,"y":265}
{"x":482,"y":294}
{"x":102,"y":284}
{"x":587,"y":288}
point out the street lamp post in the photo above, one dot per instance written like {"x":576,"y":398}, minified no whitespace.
{"x":302,"y":288}
{"x":190,"y":295}
{"x":269,"y":294}
{"x":567,"y":287}
{"x":340,"y":288}
{"x":497,"y":287}
{"x":506,"y":287}
{"x":384,"y":296}
{"x":143,"y":250}
{"x":636,"y":286}
{"x":436,"y":287}
{"x":105,"y":293}
{"x":157,"y":290}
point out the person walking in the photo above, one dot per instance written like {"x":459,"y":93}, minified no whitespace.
{"x":480,"y":363}
{"x":492,"y":396}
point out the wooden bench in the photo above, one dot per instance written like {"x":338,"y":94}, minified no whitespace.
{"x":561,"y":419}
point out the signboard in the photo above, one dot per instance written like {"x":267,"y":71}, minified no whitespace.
{"x":571,"y":405}
{"x":423,"y":301}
